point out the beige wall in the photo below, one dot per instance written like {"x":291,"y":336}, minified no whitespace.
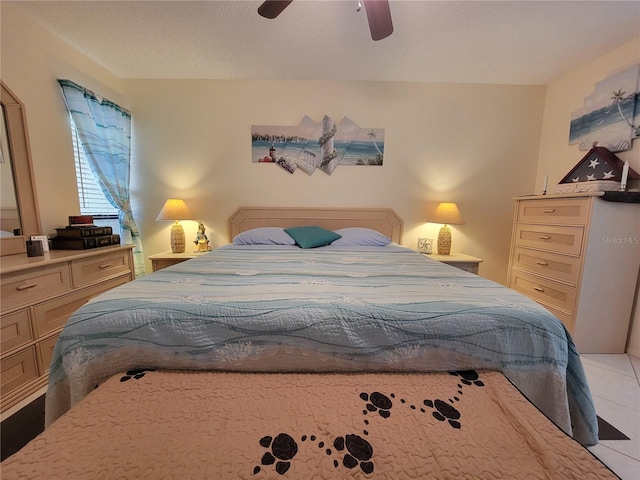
{"x":478,"y":145}
{"x":473,"y":144}
{"x":557,"y":157}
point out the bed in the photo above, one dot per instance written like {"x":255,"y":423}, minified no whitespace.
{"x":356,"y":356}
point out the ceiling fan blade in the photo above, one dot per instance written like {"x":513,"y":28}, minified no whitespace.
{"x":379,"y":16}
{"x":273,"y":8}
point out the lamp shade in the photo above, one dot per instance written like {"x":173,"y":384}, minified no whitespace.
{"x":174,"y":209}
{"x":448,"y":214}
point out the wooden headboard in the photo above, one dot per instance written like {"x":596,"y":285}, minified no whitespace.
{"x":384,"y":220}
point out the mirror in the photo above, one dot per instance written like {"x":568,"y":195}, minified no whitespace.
{"x":9,"y":218}
{"x":16,"y":151}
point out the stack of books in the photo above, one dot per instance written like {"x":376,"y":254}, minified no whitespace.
{"x":81,"y":233}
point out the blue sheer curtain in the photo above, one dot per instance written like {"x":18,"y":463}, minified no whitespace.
{"x":104,"y":130}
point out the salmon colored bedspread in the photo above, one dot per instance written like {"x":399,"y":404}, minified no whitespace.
{"x":205,"y":425}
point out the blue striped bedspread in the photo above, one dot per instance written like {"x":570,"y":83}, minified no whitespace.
{"x":266,"y":309}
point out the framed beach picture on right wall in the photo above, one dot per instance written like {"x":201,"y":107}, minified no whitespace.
{"x":610,"y":116}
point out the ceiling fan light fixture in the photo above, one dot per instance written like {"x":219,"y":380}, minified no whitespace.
{"x":379,"y":17}
{"x":378,"y":14}
{"x":272,"y":8}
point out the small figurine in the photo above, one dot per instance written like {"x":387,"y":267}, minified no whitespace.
{"x":201,"y":241}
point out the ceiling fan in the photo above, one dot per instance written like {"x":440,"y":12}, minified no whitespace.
{"x":378,"y":14}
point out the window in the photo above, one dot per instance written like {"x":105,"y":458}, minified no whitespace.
{"x":92,"y":200}
{"x":108,"y":127}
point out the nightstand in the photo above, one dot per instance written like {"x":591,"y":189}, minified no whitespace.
{"x":166,"y":259}
{"x":459,"y":260}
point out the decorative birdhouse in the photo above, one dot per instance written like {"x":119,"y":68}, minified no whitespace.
{"x":598,"y":171}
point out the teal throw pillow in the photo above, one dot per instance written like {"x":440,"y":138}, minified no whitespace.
{"x":312,"y":236}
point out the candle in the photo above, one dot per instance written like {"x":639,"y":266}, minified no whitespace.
{"x":625,"y":174}
{"x":546,"y":182}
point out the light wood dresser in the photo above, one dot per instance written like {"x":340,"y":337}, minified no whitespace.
{"x":39,"y":294}
{"x":578,"y":255}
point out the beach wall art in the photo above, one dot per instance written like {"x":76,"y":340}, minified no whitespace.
{"x":311,"y":145}
{"x":610,"y":116}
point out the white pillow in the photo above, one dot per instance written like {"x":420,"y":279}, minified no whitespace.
{"x":361,"y":236}
{"x":264,"y":236}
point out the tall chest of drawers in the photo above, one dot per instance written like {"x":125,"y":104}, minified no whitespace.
{"x":579,"y":256}
{"x":39,"y":294}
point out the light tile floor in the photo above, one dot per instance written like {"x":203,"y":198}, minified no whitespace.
{"x":615,"y":387}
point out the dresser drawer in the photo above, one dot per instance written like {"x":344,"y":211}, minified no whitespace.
{"x":547,"y":292}
{"x":16,"y":330}
{"x":557,"y":266}
{"x":45,"y":353}
{"x":564,"y":211}
{"x":38,"y":297}
{"x":18,"y":369}
{"x":30,"y":286}
{"x":90,"y":270}
{"x":556,"y":239}
{"x":54,"y":314}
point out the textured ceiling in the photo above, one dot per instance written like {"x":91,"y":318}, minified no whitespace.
{"x":498,"y":42}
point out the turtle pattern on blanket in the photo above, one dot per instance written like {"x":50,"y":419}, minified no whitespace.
{"x":353,"y":448}
{"x":155,"y":424}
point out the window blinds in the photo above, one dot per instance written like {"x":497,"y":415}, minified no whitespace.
{"x":92,"y":200}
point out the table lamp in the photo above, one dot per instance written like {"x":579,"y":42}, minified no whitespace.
{"x":447,"y":214}
{"x":175,"y":209}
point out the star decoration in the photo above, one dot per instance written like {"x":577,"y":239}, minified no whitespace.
{"x":577,"y":179}
{"x":591,"y":177}
{"x":608,"y":174}
{"x":594,"y":163}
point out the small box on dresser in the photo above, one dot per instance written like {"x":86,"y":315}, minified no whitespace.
{"x":39,"y":294}
{"x":578,"y":255}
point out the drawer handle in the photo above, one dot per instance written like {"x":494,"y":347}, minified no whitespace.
{"x":104,"y":265}
{"x":544,"y":237}
{"x":542,"y":264}
{"x":538,"y":289}
{"x":26,"y":287}
{"x":549,"y":210}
